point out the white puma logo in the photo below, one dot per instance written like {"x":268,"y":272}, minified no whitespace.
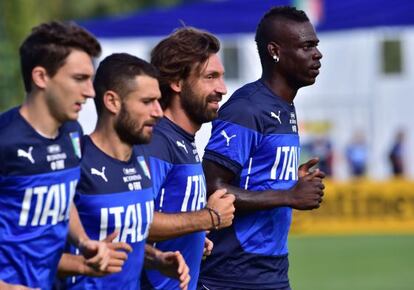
{"x":182,"y":145}
{"x":28,"y":154}
{"x":224,"y":134}
{"x":277,"y":117}
{"x":99,"y":173}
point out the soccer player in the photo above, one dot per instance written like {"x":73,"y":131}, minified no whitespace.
{"x":115,"y":189}
{"x":254,"y":153}
{"x":40,"y":153}
{"x":191,"y":82}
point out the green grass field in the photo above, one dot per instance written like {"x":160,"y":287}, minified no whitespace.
{"x":352,"y":263}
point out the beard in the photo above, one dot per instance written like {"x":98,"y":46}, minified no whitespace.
{"x":196,"y":106}
{"x":129,"y":131}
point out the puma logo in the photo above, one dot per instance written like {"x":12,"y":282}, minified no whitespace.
{"x":28,"y":154}
{"x":224,"y":134}
{"x":182,"y":145}
{"x":95,"y":171}
{"x":277,"y":117}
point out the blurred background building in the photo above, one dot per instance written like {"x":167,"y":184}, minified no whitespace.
{"x":366,"y":81}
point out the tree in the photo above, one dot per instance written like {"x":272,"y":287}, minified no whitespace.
{"x":19,"y":16}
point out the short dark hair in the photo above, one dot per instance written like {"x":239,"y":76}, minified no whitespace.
{"x":115,"y":72}
{"x":49,"y":44}
{"x":176,"y":56}
{"x":265,"y":31}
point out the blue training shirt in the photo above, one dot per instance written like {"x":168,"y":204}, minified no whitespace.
{"x":38,"y":177}
{"x":114,"y":195}
{"x":256,"y":138}
{"x":179,"y":180}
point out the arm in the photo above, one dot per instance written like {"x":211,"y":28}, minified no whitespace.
{"x":70,"y":265}
{"x":170,"y":264}
{"x":166,"y":226}
{"x":97,"y":253}
{"x":306,"y":194}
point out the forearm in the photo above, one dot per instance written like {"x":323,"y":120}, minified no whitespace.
{"x":247,"y":200}
{"x":151,"y":260}
{"x":77,"y":233}
{"x":218,"y":176}
{"x":166,"y":226}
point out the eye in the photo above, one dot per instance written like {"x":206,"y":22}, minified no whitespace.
{"x":307,"y":46}
{"x":80,"y":78}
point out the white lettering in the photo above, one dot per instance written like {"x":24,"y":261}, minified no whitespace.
{"x":128,"y":222}
{"x":48,"y":205}
{"x":40,"y":192}
{"x":117,"y":211}
{"x":53,"y":196}
{"x":130,"y":227}
{"x":104,"y":223}
{"x":287,"y":159}
{"x":196,"y":189}
{"x":24,"y":214}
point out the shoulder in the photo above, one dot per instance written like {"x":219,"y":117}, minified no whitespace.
{"x":7,"y":119}
{"x":159,"y":147}
{"x":243,"y":108}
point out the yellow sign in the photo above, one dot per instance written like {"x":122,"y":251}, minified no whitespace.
{"x":360,"y":207}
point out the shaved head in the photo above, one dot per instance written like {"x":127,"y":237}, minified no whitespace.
{"x":272,"y":27}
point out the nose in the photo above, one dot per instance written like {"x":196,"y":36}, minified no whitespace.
{"x":318,"y":54}
{"x":157,"y":112}
{"x":89,"y":91}
{"x":221,"y":86}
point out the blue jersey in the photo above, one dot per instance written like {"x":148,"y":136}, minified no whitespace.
{"x":114,"y":196}
{"x":38,"y":177}
{"x":179,"y":180}
{"x":255,"y":136}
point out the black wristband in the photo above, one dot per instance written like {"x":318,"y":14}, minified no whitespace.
{"x":211,"y":211}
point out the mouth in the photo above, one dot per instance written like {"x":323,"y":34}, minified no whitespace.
{"x":78,"y":106}
{"x":314,"y":69}
{"x":214,"y":101}
{"x":151,"y":123}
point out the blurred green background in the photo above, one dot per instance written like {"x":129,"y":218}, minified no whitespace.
{"x":371,"y":262}
{"x":17,"y":17}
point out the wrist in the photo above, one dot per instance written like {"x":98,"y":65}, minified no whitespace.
{"x":81,"y":242}
{"x":214,"y":217}
{"x":286,"y":198}
{"x":82,"y":267}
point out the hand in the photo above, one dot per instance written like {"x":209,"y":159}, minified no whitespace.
{"x":172,"y":264}
{"x":97,"y":253}
{"x":6,"y":286}
{"x":305,"y":169}
{"x":308,"y":191}
{"x":222,"y":202}
{"x":208,"y":247}
{"x":118,"y":254}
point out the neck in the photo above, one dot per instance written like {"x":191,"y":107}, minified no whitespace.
{"x":279,"y":85}
{"x":38,"y":115}
{"x":178,"y":115}
{"x":107,"y":140}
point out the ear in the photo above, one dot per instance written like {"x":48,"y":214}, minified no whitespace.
{"x":40,"y":77}
{"x":112,"y":102}
{"x":273,"y":49}
{"x":176,"y":86}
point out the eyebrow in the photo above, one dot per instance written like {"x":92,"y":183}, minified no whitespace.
{"x":215,"y":72}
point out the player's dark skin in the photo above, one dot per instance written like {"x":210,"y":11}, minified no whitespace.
{"x":305,"y":195}
{"x":296,"y":47}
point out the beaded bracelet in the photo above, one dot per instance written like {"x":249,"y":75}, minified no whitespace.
{"x":211,"y":211}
